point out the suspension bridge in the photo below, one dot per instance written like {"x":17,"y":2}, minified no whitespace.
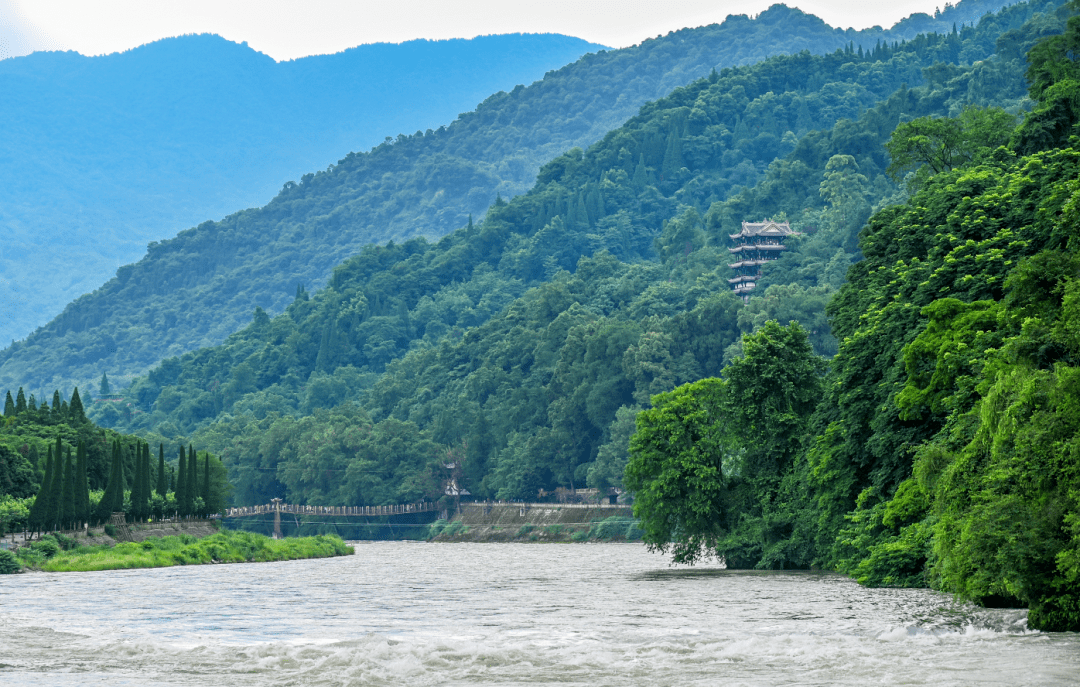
{"x":276,"y":508}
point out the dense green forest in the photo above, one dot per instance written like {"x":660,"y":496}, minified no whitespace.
{"x":525,"y":344}
{"x":201,"y":286}
{"x":104,"y":154}
{"x":59,"y":470}
{"x":945,"y":449}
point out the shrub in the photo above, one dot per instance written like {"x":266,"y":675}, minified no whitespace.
{"x":65,"y":542}
{"x":455,"y":527}
{"x":47,"y":546}
{"x":31,"y":557}
{"x":9,"y":564}
{"x":610,"y":528}
{"x":436,"y":528}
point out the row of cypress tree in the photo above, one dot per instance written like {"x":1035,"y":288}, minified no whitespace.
{"x":63,"y":501}
{"x":61,"y":410}
{"x":64,"y":497}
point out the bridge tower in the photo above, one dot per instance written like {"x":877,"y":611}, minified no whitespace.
{"x":277,"y":518}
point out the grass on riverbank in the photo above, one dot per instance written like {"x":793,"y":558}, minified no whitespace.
{"x":223,"y":547}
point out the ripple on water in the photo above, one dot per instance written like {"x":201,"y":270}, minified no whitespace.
{"x":440,"y":614}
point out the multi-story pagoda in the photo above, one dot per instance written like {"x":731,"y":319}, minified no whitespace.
{"x":756,"y":244}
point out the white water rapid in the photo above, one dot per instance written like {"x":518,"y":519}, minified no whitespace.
{"x":401,"y":613}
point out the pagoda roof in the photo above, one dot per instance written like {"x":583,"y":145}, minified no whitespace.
{"x":766,"y":228}
{"x":748,"y":263}
{"x":761,"y":246}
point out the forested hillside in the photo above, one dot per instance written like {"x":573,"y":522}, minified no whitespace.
{"x":105,"y":154}
{"x":525,"y":345}
{"x":200,"y":287}
{"x":946,"y":448}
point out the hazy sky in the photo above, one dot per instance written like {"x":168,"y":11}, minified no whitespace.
{"x":286,"y":29}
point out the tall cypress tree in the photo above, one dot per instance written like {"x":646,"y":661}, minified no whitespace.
{"x":181,"y":484}
{"x":67,"y":509}
{"x":206,"y":484}
{"x":136,"y":486}
{"x":82,"y":485}
{"x":9,"y":406}
{"x":118,"y":496}
{"x":56,"y":403}
{"x":148,"y":484}
{"x":142,"y":493}
{"x":56,"y":503}
{"x":36,"y":518}
{"x":144,"y":483}
{"x":144,"y":488}
{"x":193,"y":480}
{"x":20,"y":402}
{"x":103,"y":386}
{"x":108,"y":499}
{"x":76,"y":407}
{"x":162,"y":479}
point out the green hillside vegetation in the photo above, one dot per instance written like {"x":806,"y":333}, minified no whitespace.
{"x":523,"y":346}
{"x":201,"y":286}
{"x":105,"y":154}
{"x":946,"y":448}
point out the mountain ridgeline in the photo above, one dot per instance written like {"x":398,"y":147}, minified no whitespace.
{"x":196,"y":289}
{"x":106,"y":154}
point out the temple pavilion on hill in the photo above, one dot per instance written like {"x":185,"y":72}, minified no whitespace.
{"x":756,"y":244}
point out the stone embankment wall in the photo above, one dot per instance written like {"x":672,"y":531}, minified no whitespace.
{"x":195,"y":528}
{"x":97,"y":536}
{"x":548,"y":522}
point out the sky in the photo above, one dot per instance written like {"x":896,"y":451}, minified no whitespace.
{"x":288,"y":29}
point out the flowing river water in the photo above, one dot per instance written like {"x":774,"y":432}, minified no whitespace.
{"x":513,"y":614}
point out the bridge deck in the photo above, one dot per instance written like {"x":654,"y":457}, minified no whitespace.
{"x":270,"y":508}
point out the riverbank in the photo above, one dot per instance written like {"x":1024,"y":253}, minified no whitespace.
{"x":537,"y":522}
{"x":65,"y":554}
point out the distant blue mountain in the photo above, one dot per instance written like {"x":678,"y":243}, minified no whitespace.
{"x":101,"y":155}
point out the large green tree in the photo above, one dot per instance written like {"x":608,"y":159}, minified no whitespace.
{"x":676,"y":470}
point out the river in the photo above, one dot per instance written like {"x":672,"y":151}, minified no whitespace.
{"x":512,"y":614}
